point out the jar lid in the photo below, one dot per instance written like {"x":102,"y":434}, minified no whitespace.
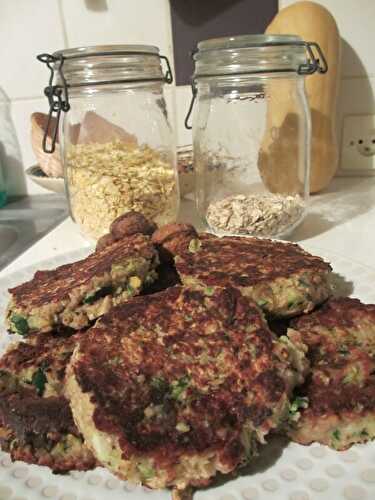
{"x":108,"y":49}
{"x":257,"y":54}
{"x":244,"y":41}
{"x":109,"y":64}
{"x":254,"y":54}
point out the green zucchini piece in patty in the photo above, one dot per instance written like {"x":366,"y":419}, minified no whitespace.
{"x":19,"y":324}
{"x":147,"y":471}
{"x":39,"y":380}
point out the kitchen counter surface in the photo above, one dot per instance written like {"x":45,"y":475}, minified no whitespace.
{"x":341,"y":221}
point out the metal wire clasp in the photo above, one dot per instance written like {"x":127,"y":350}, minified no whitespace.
{"x":314,"y":64}
{"x":168,"y":77}
{"x":58,"y":99}
{"x":190,"y":110}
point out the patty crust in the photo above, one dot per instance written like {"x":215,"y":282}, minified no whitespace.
{"x":171,"y":388}
{"x":340,"y":391}
{"x":36,"y":423}
{"x":74,"y":295}
{"x":280,"y":277}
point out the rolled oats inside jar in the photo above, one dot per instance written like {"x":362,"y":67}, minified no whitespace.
{"x":255,"y":214}
{"x":107,"y":180}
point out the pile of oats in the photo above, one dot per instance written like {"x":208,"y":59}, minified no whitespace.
{"x":106,"y":180}
{"x":255,"y":214}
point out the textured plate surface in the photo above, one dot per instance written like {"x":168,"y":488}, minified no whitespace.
{"x":283,"y":471}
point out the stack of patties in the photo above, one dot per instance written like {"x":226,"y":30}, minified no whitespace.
{"x":132,"y":223}
{"x":74,"y":295}
{"x":36,"y":423}
{"x":336,"y":404}
{"x":171,"y":388}
{"x":35,"y":418}
{"x":338,"y":397}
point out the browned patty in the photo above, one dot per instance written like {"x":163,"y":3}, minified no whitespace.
{"x":341,"y":387}
{"x":74,"y":295}
{"x":179,"y":378}
{"x":50,"y":354}
{"x":36,"y":423}
{"x":281,"y":278}
{"x":55,"y":285}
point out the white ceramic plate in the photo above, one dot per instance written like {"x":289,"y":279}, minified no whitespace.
{"x":284,"y":471}
{"x":54,"y":184}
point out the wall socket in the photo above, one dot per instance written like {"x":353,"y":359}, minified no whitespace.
{"x":358,"y":145}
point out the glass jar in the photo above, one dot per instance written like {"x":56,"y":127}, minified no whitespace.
{"x":251,"y":133}
{"x":116,"y":142}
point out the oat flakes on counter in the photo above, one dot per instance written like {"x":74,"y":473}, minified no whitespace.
{"x":109,"y":179}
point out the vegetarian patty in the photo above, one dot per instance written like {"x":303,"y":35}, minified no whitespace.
{"x":340,"y":390}
{"x":73,"y":295}
{"x":36,"y":423}
{"x":170,"y":388}
{"x":281,"y":278}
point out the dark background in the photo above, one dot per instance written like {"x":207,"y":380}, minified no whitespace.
{"x":196,"y":20}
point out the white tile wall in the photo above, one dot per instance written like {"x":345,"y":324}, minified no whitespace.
{"x":357,"y":96}
{"x":94,"y":22}
{"x":28,"y":27}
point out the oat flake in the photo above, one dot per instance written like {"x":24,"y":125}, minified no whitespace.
{"x":256,"y":214}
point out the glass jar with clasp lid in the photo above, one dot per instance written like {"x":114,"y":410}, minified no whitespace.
{"x":116,"y":141}
{"x":251,"y":132}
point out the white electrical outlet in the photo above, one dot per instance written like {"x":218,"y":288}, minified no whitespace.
{"x":358,"y":145}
